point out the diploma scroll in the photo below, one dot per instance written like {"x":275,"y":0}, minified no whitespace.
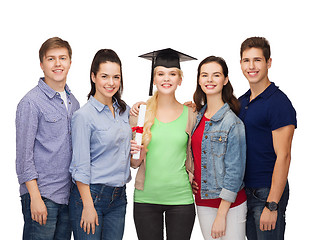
{"x":139,"y":128}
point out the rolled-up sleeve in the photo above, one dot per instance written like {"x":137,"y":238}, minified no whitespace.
{"x":80,"y":165}
{"x":235,"y":161}
{"x":26,"y":128}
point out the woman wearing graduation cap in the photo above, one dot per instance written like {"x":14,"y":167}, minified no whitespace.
{"x":162,"y":185}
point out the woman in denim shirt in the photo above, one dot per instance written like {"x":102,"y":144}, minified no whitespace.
{"x":100,"y":164}
{"x":219,"y":150}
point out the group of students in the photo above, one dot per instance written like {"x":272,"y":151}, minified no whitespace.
{"x":73,"y":163}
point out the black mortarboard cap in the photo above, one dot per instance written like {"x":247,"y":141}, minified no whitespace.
{"x":167,"y":58}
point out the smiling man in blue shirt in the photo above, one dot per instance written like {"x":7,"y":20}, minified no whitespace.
{"x":270,"y":121}
{"x":43,"y":146}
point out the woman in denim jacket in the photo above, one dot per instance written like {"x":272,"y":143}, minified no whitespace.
{"x":219,"y":150}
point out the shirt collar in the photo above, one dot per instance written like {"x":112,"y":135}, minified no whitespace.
{"x":269,"y":91}
{"x":100,"y":106}
{"x":219,"y":114}
{"x":67,"y":90}
{"x":48,"y":90}
{"x":266,"y":93}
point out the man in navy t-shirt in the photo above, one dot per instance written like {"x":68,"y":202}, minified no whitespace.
{"x":270,"y":121}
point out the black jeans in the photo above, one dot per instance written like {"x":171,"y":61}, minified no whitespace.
{"x":179,"y":221}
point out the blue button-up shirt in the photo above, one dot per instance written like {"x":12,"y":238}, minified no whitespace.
{"x":101,"y":145}
{"x":43,"y":142}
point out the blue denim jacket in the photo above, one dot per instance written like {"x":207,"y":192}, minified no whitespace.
{"x":223,"y":155}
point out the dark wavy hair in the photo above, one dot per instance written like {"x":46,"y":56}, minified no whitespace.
{"x":103,"y":56}
{"x":199,"y":96}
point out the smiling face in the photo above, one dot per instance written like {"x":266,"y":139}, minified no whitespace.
{"x":107,"y":82}
{"x":212,"y":79}
{"x":254,"y":66}
{"x":55,"y":65}
{"x":167,"y":80}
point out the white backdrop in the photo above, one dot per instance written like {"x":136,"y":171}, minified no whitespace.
{"x":131,"y":28}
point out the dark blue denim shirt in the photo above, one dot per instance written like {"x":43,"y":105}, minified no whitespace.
{"x":223,"y":155}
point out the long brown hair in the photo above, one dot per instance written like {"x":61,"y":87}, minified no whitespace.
{"x":199,"y":96}
{"x":103,"y":56}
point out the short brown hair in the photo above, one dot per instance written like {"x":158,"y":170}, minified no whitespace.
{"x":54,"y":42}
{"x":257,"y":42}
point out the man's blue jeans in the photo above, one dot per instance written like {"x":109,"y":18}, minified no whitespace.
{"x":57,"y":226}
{"x":256,"y":199}
{"x":110,"y":204}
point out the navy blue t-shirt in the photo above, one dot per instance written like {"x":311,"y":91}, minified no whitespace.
{"x":267,"y":112}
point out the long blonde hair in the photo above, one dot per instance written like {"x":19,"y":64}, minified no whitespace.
{"x":151,"y":111}
{"x":152,"y":106}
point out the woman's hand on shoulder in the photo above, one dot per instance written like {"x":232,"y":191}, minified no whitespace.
{"x":134,"y":111}
{"x":191,"y":104}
